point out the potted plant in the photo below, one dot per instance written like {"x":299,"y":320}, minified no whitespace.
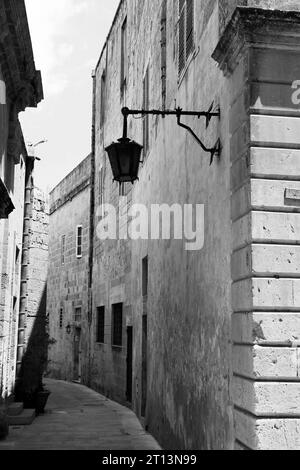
{"x":29,"y":398}
{"x":3,"y":424}
{"x":41,"y":399}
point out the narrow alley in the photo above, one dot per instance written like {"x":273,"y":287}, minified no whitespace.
{"x":149,"y":227}
{"x":78,"y":418}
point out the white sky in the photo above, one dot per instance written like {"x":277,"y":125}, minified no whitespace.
{"x":67,"y":38}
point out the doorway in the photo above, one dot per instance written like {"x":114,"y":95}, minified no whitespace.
{"x":129,"y":364}
{"x":77,"y":355}
{"x":144,"y":365}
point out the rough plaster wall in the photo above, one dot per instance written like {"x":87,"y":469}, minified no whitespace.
{"x":189,"y":293}
{"x":67,"y":285}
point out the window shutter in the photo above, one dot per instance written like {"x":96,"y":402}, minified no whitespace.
{"x":102,"y":99}
{"x":181,"y":35}
{"x":186,"y":32}
{"x":189,"y":27}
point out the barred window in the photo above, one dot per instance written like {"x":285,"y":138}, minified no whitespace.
{"x":100,"y":325}
{"x":186,"y":32}
{"x":117,"y":325}
{"x":61,"y":318}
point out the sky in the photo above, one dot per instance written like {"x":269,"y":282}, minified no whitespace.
{"x":67,"y":38}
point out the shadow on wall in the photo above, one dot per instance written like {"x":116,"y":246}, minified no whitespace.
{"x":30,"y":377}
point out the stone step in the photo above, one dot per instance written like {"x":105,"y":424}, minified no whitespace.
{"x":24,"y":419}
{"x":15,"y":409}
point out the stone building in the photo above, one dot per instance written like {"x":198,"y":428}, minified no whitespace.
{"x":68,"y":287}
{"x":202,"y":344}
{"x":32,"y":320}
{"x":20,"y":87}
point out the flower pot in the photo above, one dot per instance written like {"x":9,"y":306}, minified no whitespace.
{"x":41,"y":401}
{"x":30,"y":400}
{"x":3,"y":425}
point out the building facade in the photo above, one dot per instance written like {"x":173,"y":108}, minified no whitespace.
{"x":67,"y":286}
{"x":203,"y":343}
{"x":20,"y":87}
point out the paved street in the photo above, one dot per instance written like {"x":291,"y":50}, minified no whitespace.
{"x":78,"y":418}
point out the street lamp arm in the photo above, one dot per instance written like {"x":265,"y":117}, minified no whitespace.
{"x":215,"y":151}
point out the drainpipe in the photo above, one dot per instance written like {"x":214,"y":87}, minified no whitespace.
{"x":92,"y":229}
{"x":164,"y":53}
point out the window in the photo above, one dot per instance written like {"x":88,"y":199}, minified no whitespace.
{"x":122,"y":189}
{"x":17,"y":255}
{"x":61,"y":318}
{"x":186,"y":32}
{"x":100,"y":325}
{"x":77,"y":315}
{"x":102,"y":102}
{"x":146,"y":117}
{"x":117,"y":324}
{"x":124,"y":55}
{"x":79,"y":242}
{"x":63,"y":249}
{"x":145,"y":276}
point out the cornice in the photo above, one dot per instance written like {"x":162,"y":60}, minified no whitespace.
{"x":23,"y":81}
{"x":6,"y":205}
{"x":256,"y":27}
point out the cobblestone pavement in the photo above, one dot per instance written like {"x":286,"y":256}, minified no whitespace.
{"x":78,"y":418}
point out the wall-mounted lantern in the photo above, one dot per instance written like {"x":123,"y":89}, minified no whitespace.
{"x":68,"y":329}
{"x":124,"y":155}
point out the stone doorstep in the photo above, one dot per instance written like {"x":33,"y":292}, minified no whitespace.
{"x":15,"y":409}
{"x":24,"y":419}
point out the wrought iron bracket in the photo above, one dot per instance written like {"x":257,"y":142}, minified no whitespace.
{"x":178,"y":112}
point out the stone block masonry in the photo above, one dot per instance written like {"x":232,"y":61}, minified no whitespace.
{"x":265,"y":157}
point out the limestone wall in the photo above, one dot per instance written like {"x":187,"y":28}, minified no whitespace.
{"x":67,"y":284}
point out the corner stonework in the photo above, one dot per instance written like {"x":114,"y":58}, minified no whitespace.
{"x":259,"y":53}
